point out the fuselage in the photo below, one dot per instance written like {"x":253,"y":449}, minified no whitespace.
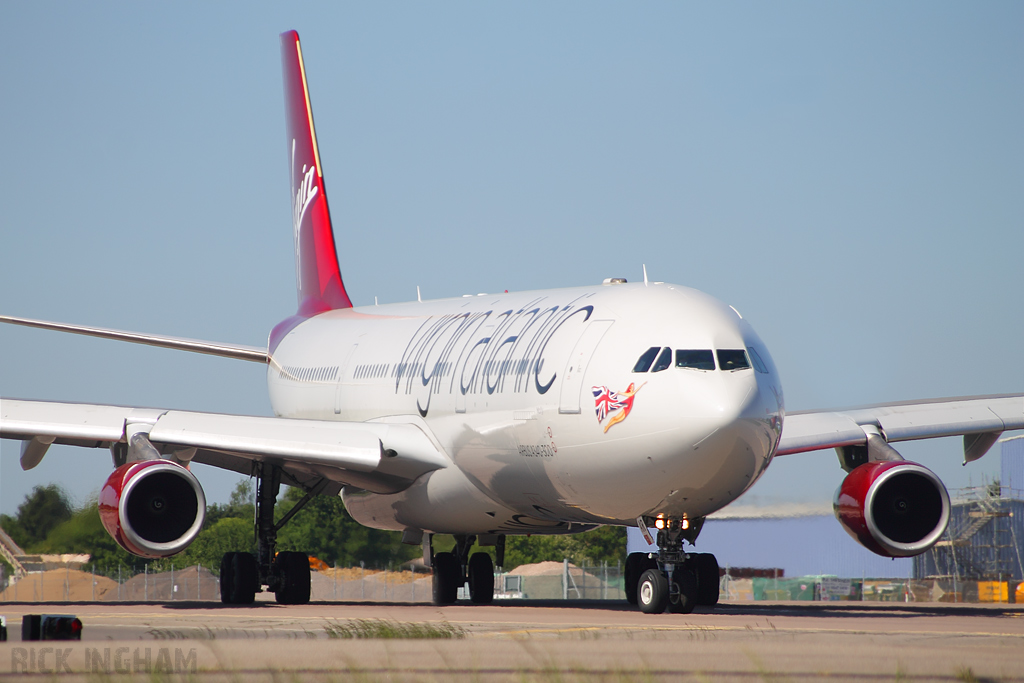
{"x":540,"y":402}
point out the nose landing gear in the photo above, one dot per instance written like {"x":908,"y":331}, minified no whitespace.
{"x":672,"y":579}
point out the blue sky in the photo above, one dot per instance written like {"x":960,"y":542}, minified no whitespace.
{"x":849,"y":176}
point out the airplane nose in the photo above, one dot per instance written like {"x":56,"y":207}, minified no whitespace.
{"x":736,"y":398}
{"x":723,"y":444}
{"x":743,"y":433}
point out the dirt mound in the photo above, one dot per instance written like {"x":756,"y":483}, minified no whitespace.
{"x":377,"y":585}
{"x":544,"y":569}
{"x":357,"y":574}
{"x":59,"y":585}
{"x":187,"y":583}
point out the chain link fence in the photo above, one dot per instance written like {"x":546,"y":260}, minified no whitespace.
{"x":91,"y":583}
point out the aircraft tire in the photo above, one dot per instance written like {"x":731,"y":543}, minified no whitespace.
{"x":447,"y":576}
{"x":636,"y":564}
{"x":706,"y":566}
{"x":652,"y":592}
{"x":246,"y":577}
{"x":683,"y":591}
{"x":481,"y":579}
{"x":227,"y":578}
{"x":294,"y":569}
{"x":631,"y":576}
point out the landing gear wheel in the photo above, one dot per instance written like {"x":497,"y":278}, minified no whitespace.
{"x":243,"y":578}
{"x":481,"y":579}
{"x":636,"y":564}
{"x":447,"y":577}
{"x":227,"y":578}
{"x":631,"y":576}
{"x":294,"y":571}
{"x":652,"y":592}
{"x":706,"y":567}
{"x":683,"y":591}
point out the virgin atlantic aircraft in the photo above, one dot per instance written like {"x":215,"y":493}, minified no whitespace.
{"x":547,"y":412}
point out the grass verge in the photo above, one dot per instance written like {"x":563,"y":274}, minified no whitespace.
{"x":385,"y":629}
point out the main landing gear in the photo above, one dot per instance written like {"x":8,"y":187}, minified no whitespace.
{"x":458,"y":567}
{"x":286,"y":574}
{"x":672,"y":579}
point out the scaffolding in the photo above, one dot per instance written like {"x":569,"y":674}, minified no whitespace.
{"x":12,"y":554}
{"x":983,"y":539}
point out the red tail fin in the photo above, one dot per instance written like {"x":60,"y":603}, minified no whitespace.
{"x":318,"y":277}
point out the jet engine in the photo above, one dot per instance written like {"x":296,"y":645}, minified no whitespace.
{"x":152,"y":508}
{"x":893,"y":508}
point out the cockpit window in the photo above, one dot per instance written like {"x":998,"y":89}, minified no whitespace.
{"x":644,"y":363}
{"x":756,"y":360}
{"x":732,"y":359}
{"x":664,"y":360}
{"x":695,"y":360}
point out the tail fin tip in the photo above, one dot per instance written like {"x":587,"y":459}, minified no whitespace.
{"x":318,"y":276}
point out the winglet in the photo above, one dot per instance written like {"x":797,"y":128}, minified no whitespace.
{"x":318,"y":277}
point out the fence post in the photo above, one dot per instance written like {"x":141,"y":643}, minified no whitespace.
{"x":565,"y":578}
{"x":172,"y":581}
{"x":145,"y":582}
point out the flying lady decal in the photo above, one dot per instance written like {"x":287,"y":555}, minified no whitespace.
{"x":607,"y":402}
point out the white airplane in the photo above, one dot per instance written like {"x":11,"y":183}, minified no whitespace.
{"x":547,"y":412}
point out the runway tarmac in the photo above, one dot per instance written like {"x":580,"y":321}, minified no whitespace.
{"x":528,"y":641}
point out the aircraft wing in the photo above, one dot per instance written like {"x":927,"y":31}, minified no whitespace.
{"x":979,"y":419}
{"x":237,"y":351}
{"x":376,"y":456}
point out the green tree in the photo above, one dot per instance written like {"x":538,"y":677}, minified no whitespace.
{"x":83,"y":532}
{"x":8,"y":571}
{"x":241,"y":505}
{"x":605,"y":544}
{"x":43,"y":509}
{"x":226,"y":535}
{"x":325,"y":530}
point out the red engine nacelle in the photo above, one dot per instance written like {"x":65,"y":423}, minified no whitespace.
{"x":153,"y":508}
{"x":893,"y":508}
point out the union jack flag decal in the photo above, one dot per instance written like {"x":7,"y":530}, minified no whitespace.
{"x":615,"y":404}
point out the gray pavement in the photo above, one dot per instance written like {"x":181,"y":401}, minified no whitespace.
{"x":534,"y":641}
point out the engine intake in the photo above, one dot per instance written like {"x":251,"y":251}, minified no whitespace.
{"x":153,"y":508}
{"x":894,"y":509}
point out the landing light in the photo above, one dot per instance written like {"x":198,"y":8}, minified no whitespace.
{"x":663,"y":523}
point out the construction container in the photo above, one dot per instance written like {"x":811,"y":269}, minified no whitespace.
{"x":993,"y":591}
